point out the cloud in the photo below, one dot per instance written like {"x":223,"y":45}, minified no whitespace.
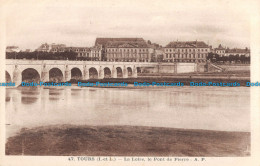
{"x":79,"y":23}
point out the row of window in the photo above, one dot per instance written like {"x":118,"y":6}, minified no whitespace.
{"x":77,"y":50}
{"x":186,"y":50}
{"x":185,"y":56}
{"x":88,"y":55}
{"x":182,"y":60}
{"x":128,"y":60}
{"x":83,"y":54}
{"x":126,"y":50}
{"x":220,"y":51}
{"x":127,"y":56}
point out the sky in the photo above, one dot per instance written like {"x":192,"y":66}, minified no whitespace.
{"x":79,"y":23}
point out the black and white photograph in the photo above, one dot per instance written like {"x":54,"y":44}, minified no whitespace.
{"x":129,"y":81}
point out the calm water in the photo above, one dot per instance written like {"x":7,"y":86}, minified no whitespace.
{"x":213,"y":108}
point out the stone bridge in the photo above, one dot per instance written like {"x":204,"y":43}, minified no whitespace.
{"x":67,"y":70}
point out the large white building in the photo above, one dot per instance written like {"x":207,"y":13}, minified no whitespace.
{"x":186,"y":51}
{"x":125,"y":49}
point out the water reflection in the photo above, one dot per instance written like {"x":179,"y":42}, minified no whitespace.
{"x":55,"y":94}
{"x":215,"y":108}
{"x":28,"y":99}
{"x":7,"y":96}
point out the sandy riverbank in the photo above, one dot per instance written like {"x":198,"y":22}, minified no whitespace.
{"x":127,"y":141}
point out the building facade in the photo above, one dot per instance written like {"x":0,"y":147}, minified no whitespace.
{"x":44,"y":48}
{"x":86,"y":53}
{"x":138,"y":50}
{"x":124,"y":49}
{"x":57,"y":48}
{"x":96,"y":53}
{"x":186,"y":51}
{"x":81,"y":51}
{"x":237,"y":51}
{"x":220,"y":50}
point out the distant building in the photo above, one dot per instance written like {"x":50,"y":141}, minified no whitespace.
{"x":96,"y":53}
{"x":87,"y":52}
{"x":237,"y":51}
{"x":81,"y":51}
{"x":44,"y":48}
{"x":51,"y":47}
{"x":124,"y":49}
{"x":12,"y":49}
{"x":220,"y":50}
{"x":57,"y":47}
{"x":158,"y":55}
{"x":211,"y":49}
{"x":138,"y":50}
{"x":186,"y":51}
{"x":28,"y":50}
{"x":156,"y":51}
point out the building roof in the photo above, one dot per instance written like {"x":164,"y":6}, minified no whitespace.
{"x":121,"y":42}
{"x":220,"y":47}
{"x":58,"y":45}
{"x":44,"y":46}
{"x":187,"y":44}
{"x":78,"y":48}
{"x":97,"y":47}
{"x":237,"y":50}
{"x":126,"y":44}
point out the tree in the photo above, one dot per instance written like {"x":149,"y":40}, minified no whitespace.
{"x":216,"y":57}
{"x":221,"y":59}
{"x":242,"y":58}
{"x":236,"y":58}
{"x":231,"y":58}
{"x":248,"y":59}
{"x":210,"y":56}
{"x":160,"y":58}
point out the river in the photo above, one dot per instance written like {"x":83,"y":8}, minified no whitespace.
{"x":210,"y":108}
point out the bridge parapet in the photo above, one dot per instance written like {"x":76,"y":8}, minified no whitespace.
{"x":32,"y":62}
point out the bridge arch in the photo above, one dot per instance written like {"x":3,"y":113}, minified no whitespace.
{"x":8,"y":77}
{"x":30,"y":75}
{"x":129,"y":71}
{"x":107,"y":72}
{"x":76,"y":73}
{"x":119,"y":72}
{"x":93,"y":73}
{"x":56,"y":75}
{"x":138,"y":69}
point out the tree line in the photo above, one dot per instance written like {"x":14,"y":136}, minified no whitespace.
{"x":231,"y":58}
{"x":42,"y":55}
{"x":67,"y":55}
{"x":70,"y":55}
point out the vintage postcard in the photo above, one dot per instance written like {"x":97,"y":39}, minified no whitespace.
{"x":130,"y":82}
